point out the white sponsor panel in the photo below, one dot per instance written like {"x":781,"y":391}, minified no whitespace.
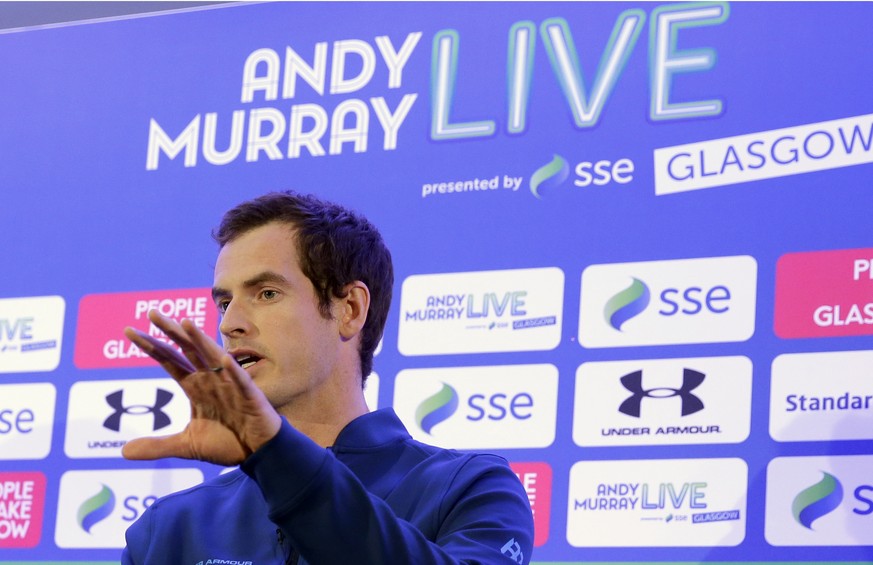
{"x":95,"y":508}
{"x":657,"y":503}
{"x":27,"y":415}
{"x":371,"y":391}
{"x":31,"y":332}
{"x":104,"y":415}
{"x":817,"y":501}
{"x":496,"y":407}
{"x":481,"y":312}
{"x":822,"y":396}
{"x":704,"y":300}
{"x":663,"y":401}
{"x":768,"y":154}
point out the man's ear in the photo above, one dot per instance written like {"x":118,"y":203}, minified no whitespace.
{"x":353,"y":309}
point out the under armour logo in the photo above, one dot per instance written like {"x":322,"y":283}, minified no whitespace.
{"x":633,"y":382}
{"x":114,"y":400}
{"x":513,"y":550}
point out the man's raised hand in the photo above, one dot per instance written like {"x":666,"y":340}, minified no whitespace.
{"x":230,"y":416}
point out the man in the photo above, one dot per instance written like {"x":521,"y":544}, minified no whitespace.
{"x":304,"y":288}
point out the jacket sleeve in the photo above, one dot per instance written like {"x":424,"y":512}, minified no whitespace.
{"x":137,"y":536}
{"x":330,"y":517}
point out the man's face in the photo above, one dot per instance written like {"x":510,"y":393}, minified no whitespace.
{"x":271,"y":323}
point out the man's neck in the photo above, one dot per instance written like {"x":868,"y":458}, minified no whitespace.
{"x":322,"y":422}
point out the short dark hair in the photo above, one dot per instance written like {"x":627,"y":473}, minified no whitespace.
{"x":336,"y":246}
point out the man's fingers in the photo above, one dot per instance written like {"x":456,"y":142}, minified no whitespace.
{"x":173,"y":361}
{"x":150,"y":448}
{"x":210,"y":352}
{"x":182,"y":338}
{"x":240,"y":378}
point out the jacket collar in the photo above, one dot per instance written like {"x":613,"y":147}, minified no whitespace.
{"x":371,"y":430}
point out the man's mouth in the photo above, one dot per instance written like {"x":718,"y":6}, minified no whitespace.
{"x":246,"y":360}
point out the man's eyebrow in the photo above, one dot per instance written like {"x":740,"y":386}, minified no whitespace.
{"x":260,"y":278}
{"x":266,"y":277}
{"x":218,"y":293}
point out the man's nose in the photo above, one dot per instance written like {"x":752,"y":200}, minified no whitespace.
{"x":235,"y":320}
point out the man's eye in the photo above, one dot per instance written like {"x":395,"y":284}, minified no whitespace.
{"x":222,"y":306}
{"x":269,"y":294}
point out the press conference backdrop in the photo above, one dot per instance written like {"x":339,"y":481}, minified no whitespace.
{"x":632,"y":245}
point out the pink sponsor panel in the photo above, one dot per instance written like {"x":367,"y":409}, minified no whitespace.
{"x":824,"y":294}
{"x":22,"y":499}
{"x":537,"y":480}
{"x":100,"y":340}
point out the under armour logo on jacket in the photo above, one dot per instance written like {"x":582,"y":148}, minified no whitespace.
{"x":512,"y":549}
{"x":633,"y":382}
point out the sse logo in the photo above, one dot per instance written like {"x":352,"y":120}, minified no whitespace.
{"x":588,"y":173}
{"x":704,"y":300}
{"x":27,"y":414}
{"x":95,"y":508}
{"x":479,"y":407}
{"x":819,"y":501}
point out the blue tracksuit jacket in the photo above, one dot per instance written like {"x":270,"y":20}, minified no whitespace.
{"x":377,"y":497}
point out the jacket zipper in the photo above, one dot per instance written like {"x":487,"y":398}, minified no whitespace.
{"x":293,"y":556}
